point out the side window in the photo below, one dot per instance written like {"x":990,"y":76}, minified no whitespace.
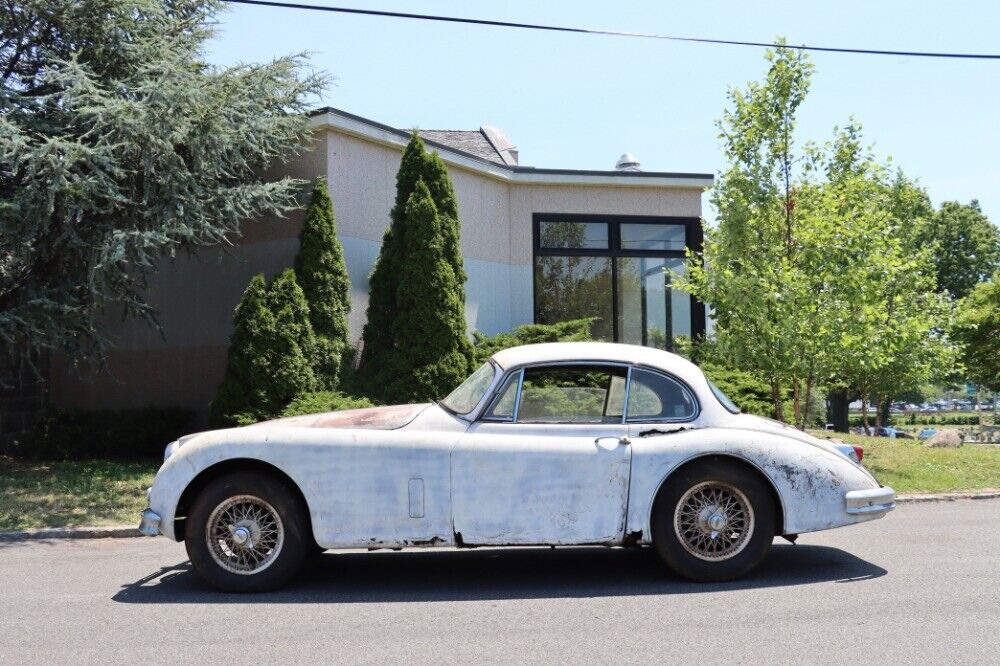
{"x":653,"y":396}
{"x":502,"y":408}
{"x":572,"y":394}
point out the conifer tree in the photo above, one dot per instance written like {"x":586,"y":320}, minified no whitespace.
{"x":322,"y":273}
{"x":433,"y":352}
{"x":380,"y":343}
{"x":270,"y":353}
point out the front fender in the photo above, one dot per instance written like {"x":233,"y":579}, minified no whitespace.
{"x":811,"y":482}
{"x":199,"y":453}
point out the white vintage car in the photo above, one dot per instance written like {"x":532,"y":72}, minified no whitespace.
{"x":555,"y":444}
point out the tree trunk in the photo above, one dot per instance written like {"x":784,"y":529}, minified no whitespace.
{"x":779,"y":410}
{"x":839,"y":414}
{"x":796,"y":404}
{"x":805,"y":410}
{"x":878,"y":415}
{"x":864,"y":412}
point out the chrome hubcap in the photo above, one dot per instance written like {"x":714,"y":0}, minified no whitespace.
{"x":714,"y":521}
{"x":244,"y":534}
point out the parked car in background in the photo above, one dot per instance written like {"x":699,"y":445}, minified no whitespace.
{"x":927,"y":433}
{"x":551,"y":444}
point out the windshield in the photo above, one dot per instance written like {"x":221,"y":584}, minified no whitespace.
{"x":723,"y":398}
{"x":471,"y":391}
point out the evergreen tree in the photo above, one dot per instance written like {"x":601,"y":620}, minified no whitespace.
{"x":321,"y":272}
{"x":433,"y":353}
{"x":270,"y":353}
{"x":443,"y":193}
{"x":120,"y":144}
{"x":379,"y":341}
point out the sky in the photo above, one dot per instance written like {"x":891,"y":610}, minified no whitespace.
{"x":580,"y":101}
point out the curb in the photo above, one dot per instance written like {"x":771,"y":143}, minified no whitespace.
{"x":946,"y":497}
{"x":110,"y":532}
{"x":128,"y":532}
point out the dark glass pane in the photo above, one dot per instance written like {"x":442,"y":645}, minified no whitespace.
{"x":653,"y":396}
{"x":572,"y":395}
{"x":650,"y":312}
{"x":573,"y":288}
{"x":573,"y":235}
{"x":653,"y":237}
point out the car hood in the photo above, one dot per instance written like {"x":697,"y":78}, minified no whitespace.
{"x":368,"y":418}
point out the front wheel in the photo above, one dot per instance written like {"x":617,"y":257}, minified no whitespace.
{"x":247,"y":532}
{"x":714,"y":521}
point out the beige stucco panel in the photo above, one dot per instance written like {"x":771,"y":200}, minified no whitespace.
{"x":528,"y":199}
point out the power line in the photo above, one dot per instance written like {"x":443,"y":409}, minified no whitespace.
{"x":615,"y":33}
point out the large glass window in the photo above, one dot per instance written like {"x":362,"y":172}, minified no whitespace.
{"x":619,"y":271}
{"x":575,"y":287}
{"x":650,"y":313}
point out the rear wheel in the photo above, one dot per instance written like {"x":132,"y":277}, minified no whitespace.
{"x":714,"y":520}
{"x":247,"y":532}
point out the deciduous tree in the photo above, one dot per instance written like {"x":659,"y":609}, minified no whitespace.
{"x":965,"y":244}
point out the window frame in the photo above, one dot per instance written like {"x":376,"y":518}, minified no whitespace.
{"x":496,"y":393}
{"x":693,"y":240}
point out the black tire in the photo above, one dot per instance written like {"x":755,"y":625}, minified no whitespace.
{"x":714,"y":473}
{"x":282,"y":561}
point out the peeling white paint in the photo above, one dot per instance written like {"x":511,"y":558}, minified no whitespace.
{"x":420,"y":476}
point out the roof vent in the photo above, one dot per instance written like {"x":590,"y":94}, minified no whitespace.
{"x":628,"y":162}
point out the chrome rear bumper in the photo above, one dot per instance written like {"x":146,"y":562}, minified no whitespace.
{"x":149,"y":523}
{"x":875,"y":500}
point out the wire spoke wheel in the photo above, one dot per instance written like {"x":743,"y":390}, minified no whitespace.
{"x":714,"y":521}
{"x":244,"y":534}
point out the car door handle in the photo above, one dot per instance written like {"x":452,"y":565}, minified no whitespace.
{"x":624,"y":441}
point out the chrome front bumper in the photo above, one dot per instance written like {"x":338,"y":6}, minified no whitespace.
{"x":149,"y":524}
{"x":876,"y":500}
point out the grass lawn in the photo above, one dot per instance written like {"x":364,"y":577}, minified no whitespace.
{"x":57,"y":494}
{"x":908,"y":467}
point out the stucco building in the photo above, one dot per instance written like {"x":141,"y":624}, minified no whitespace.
{"x":539,"y":245}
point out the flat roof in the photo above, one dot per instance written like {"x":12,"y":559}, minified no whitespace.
{"x":349,"y":123}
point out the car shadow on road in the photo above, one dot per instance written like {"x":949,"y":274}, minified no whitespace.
{"x":522,"y":573}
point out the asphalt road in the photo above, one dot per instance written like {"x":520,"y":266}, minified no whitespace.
{"x":921,"y":586}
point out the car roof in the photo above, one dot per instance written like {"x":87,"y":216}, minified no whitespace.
{"x":562,"y":352}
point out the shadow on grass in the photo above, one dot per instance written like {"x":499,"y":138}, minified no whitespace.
{"x":522,"y":573}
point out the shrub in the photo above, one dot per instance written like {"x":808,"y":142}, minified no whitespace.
{"x":127,"y":434}
{"x":270,"y":353}
{"x":322,"y":273}
{"x":574,"y":330}
{"x":324,"y":401}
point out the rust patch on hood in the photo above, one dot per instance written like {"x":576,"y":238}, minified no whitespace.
{"x":368,"y":418}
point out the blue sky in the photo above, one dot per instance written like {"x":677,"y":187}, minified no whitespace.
{"x":579,"y":101}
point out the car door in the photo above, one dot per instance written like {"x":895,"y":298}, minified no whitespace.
{"x":548,"y":462}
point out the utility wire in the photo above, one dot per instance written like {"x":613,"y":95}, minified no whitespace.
{"x":615,"y":33}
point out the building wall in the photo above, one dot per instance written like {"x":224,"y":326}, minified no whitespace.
{"x":196,"y":295}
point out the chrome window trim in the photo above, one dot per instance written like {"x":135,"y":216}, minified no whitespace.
{"x":684,"y":387}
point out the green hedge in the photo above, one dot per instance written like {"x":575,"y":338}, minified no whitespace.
{"x":921,"y":419}
{"x":127,"y":434}
{"x":324,"y":401}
